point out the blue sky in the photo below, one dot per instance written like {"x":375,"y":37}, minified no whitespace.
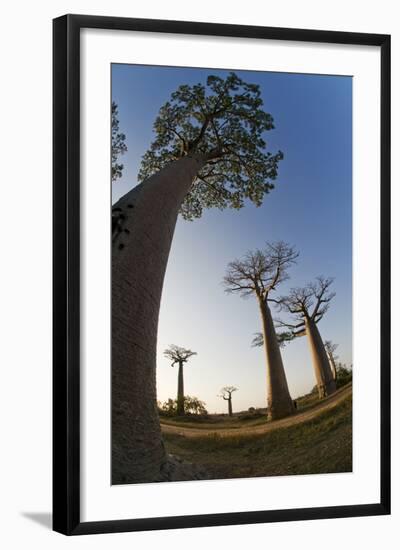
{"x":310,"y":208}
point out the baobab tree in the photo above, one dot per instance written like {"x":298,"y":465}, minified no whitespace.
{"x":308,"y":305}
{"x":179,"y":356}
{"x":226,"y":394}
{"x":259,"y":273}
{"x":330,"y":348}
{"x":209,"y":151}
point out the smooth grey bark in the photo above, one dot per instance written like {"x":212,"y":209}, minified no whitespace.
{"x":332,"y":364}
{"x":322,"y":369}
{"x":280,"y":403}
{"x":140,"y":253}
{"x":180,"y":407}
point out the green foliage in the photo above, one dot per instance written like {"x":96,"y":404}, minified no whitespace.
{"x":221,"y":123}
{"x":118,"y":146}
{"x":282,"y":337}
{"x":344,"y":375}
{"x":168,"y":408}
{"x":192,"y":406}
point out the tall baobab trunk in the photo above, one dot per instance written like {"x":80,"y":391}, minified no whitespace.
{"x":280,"y":403}
{"x":180,"y":407}
{"x":230,"y":413}
{"x":325,"y":382}
{"x":332,"y":365}
{"x":139,"y":259}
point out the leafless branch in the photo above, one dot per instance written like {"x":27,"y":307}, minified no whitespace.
{"x":309,"y":302}
{"x":227,"y":391}
{"x":260,"y":271}
{"x":319,"y":290}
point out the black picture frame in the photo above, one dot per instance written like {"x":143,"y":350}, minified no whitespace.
{"x":66,"y":273}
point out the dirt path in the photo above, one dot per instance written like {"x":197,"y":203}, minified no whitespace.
{"x":325,"y":405}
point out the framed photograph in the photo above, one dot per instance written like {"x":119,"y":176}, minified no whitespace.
{"x":221,"y":274}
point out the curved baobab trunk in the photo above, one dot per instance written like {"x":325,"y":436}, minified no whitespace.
{"x":332,"y":365}
{"x":180,"y":407}
{"x":325,"y":382}
{"x":140,"y":253}
{"x":280,"y":403}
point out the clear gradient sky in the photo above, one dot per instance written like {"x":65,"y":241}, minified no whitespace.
{"x":310,"y":208}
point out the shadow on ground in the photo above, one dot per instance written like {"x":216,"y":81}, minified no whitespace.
{"x":42,"y":518}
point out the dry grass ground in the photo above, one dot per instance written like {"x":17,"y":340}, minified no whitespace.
{"x":318,"y":440}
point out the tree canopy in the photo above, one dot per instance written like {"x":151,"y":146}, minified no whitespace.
{"x":178,"y":355}
{"x":260,"y":271}
{"x":227,"y":391}
{"x":311,"y":301}
{"x":282,"y":337}
{"x":222,"y":123}
{"x":118,"y":146}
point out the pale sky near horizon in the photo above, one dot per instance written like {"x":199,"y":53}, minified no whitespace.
{"x":310,"y":208}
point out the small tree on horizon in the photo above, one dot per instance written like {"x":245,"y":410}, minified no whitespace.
{"x":226,"y":394}
{"x":180,"y":356}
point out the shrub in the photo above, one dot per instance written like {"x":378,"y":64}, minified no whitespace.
{"x":193,"y":406}
{"x":344,"y":375}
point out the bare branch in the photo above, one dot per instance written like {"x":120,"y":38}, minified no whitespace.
{"x":278,"y":302}
{"x":320,"y":292}
{"x":283,"y":324}
{"x":330,"y":349}
{"x":282,"y":255}
{"x":260,"y":271}
{"x":227,"y":391}
{"x":309,"y":302}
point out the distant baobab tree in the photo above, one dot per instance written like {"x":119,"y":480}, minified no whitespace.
{"x":208,"y":151}
{"x":330,"y":350}
{"x":259,"y":273}
{"x":308,"y":305}
{"x":179,"y":356}
{"x":226,"y":394}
